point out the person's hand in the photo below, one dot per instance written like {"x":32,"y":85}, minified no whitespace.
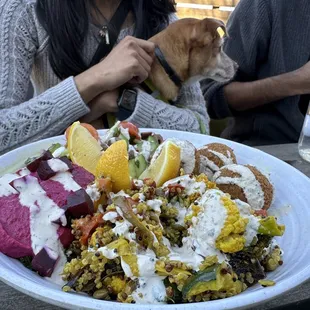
{"x":102,"y":104}
{"x":130,"y":61}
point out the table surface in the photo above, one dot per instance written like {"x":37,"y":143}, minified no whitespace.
{"x":13,"y":300}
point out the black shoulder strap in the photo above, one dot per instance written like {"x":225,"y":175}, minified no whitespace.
{"x":171,"y":73}
{"x":111,"y":31}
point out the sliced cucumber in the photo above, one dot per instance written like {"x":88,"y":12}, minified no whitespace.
{"x":137,"y":166}
{"x":122,"y":137}
{"x":139,"y":146}
{"x":154,"y":143}
{"x":132,"y":168}
{"x":141,"y":164}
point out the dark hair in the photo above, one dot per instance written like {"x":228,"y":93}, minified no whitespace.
{"x":67,"y":23}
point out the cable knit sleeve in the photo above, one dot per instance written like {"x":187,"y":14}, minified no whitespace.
{"x":46,"y":115}
{"x":249,"y":30}
{"x":189,"y":113}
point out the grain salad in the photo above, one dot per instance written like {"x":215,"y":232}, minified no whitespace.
{"x":135,"y":218}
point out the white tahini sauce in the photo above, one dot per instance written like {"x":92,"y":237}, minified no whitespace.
{"x":186,"y":254}
{"x":125,"y":132}
{"x":24,"y":171}
{"x":181,"y":211}
{"x":93,"y":192}
{"x":122,"y":229}
{"x":108,"y":252}
{"x":150,"y":291}
{"x":190,"y":185}
{"x":138,"y":183}
{"x":247,"y":182}
{"x":43,"y":211}
{"x":146,"y":150}
{"x":253,"y":221}
{"x":59,"y":151}
{"x":227,"y":160}
{"x":209,"y":223}
{"x":127,"y":269}
{"x":155,"y":205}
{"x":5,"y":188}
{"x":110,"y":216}
{"x":204,"y":166}
{"x":57,"y":165}
{"x":206,"y":163}
{"x":146,"y":263}
{"x":67,"y":181}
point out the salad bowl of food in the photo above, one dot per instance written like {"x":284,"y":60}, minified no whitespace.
{"x":151,"y":219}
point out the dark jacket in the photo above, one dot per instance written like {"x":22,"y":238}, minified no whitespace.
{"x":266,"y":38}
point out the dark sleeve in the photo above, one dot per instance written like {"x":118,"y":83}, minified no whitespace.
{"x":249,"y":29}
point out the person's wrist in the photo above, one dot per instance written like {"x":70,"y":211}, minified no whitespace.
{"x":301,"y":85}
{"x":88,"y":85}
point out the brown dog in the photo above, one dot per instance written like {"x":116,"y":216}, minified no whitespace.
{"x":193,"y":48}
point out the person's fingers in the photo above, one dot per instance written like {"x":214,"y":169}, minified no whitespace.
{"x":147,"y":46}
{"x":147,"y":57}
{"x":146,"y":66}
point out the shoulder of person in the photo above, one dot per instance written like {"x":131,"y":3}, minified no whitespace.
{"x":21,"y":15}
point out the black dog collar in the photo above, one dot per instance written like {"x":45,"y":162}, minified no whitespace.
{"x":171,"y":73}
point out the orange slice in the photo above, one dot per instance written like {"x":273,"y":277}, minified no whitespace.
{"x":114,"y":164}
{"x":83,"y":148}
{"x":166,"y":166}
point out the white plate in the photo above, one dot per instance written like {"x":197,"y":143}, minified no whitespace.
{"x":291,"y":189}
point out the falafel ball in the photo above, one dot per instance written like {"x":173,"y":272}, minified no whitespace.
{"x":214,"y":156}
{"x":246,"y":183}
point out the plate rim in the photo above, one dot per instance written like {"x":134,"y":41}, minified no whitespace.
{"x":48,"y":295}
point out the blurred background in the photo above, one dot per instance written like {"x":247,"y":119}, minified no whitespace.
{"x":220,"y":9}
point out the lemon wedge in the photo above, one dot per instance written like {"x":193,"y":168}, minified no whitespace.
{"x":83,"y":148}
{"x":114,"y":164}
{"x":166,"y":166}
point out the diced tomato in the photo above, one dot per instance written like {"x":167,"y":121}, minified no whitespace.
{"x":87,"y":226}
{"x":105,"y":185}
{"x":149,"y":182}
{"x":262,"y":213}
{"x":92,"y":130}
{"x":132,"y":129}
{"x":175,"y":189}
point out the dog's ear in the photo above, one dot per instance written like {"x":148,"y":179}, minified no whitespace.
{"x":206,"y":31}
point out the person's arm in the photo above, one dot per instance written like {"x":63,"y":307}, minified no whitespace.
{"x":242,"y":96}
{"x":249,"y":31}
{"x":189,"y":114}
{"x":51,"y":112}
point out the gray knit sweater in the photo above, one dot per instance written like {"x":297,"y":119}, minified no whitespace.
{"x":266,"y":38}
{"x":56,"y":104}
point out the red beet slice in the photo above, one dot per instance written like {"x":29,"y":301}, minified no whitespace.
{"x":44,"y":262}
{"x":67,"y":161}
{"x":79,"y":204}
{"x":82,"y":176}
{"x":65,"y":236}
{"x":33,"y":166}
{"x":11,"y":247}
{"x":55,"y":191}
{"x":44,"y":171}
{"x":15,"y":220}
